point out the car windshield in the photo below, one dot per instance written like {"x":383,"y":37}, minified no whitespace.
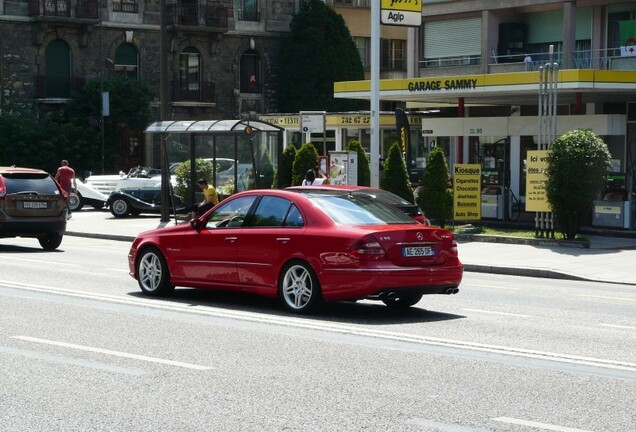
{"x":355,"y":208}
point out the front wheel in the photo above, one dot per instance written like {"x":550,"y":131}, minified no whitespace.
{"x":153,"y":274}
{"x":75,"y":201}
{"x":120,"y":208}
{"x":50,"y":242}
{"x":298,"y":288}
{"x":403,"y":301}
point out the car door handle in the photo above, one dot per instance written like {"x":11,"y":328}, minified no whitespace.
{"x":231,"y":239}
{"x":283,"y":239}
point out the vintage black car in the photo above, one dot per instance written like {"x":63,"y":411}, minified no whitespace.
{"x":124,"y":202}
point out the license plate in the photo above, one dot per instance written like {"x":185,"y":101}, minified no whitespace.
{"x":419,"y":251}
{"x":34,"y":205}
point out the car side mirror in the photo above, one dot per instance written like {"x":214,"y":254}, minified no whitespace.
{"x":196,"y":224}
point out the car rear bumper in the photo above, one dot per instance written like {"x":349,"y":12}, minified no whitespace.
{"x":31,"y":228}
{"x":344,"y":284}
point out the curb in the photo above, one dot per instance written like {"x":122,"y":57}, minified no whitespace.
{"x":584,"y":244}
{"x":123,"y":238}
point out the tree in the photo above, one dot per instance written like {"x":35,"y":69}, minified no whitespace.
{"x":577,"y":165}
{"x":435,"y":198}
{"x":394,"y":176}
{"x":364,"y":172}
{"x":306,"y":159}
{"x":129,"y":109}
{"x":317,"y":52}
{"x":266,"y":171}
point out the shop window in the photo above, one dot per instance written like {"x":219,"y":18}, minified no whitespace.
{"x":127,"y":60}
{"x":247,"y":10}
{"x":250,"y":72}
{"x":58,"y":69}
{"x":190,"y":69}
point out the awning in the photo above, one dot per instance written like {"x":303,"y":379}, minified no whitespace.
{"x":220,"y":127}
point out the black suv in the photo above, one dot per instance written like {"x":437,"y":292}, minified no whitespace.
{"x":33,"y":205}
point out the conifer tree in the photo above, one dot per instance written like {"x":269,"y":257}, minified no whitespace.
{"x":435,"y":197}
{"x":364,"y":172}
{"x":394,"y":177}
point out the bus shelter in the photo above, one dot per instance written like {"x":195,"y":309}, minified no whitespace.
{"x":244,"y":142}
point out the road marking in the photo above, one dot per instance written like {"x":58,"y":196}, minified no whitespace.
{"x":309,"y":324}
{"x":618,"y":326}
{"x":498,"y":313}
{"x":112,"y":353}
{"x":608,"y":297}
{"x":121,"y":270}
{"x":42,"y":261}
{"x":52,"y":358}
{"x":537,"y":425}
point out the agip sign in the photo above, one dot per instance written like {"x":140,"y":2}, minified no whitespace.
{"x":401,"y":12}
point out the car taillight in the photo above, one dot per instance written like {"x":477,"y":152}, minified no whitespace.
{"x":368,"y":249}
{"x":3,"y":188}
{"x":454,"y":248}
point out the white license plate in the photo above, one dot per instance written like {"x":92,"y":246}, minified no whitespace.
{"x":418,"y":251}
{"x":34,"y":205}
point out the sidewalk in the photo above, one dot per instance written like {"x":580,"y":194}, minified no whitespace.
{"x":609,"y":259}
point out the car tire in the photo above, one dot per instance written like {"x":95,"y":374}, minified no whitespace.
{"x":50,"y":242}
{"x":120,"y":208}
{"x":402,"y":302}
{"x":153,"y":275}
{"x":298,"y":288}
{"x":75,"y":201}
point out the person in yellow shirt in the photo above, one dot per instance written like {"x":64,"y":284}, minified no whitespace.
{"x":210,"y":198}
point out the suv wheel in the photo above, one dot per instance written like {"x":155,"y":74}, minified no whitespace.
{"x":50,"y":242}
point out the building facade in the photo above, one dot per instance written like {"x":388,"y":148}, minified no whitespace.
{"x":474,"y":69}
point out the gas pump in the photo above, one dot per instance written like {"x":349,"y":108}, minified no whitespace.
{"x":493,"y":179}
{"x":614,"y":210}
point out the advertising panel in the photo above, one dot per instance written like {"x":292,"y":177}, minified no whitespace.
{"x":536,"y":199}
{"x":466,"y":192}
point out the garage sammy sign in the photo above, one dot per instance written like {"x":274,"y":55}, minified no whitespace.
{"x":401,"y":12}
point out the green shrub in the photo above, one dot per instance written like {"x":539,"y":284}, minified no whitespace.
{"x":306,"y":159}
{"x":394,"y":176}
{"x":285,"y":168}
{"x":435,"y":198}
{"x":578,"y":162}
{"x":266,"y":172}
{"x":364,"y":172}
{"x":183,"y":186}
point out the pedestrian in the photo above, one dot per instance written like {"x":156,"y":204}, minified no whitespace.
{"x":210,"y":199}
{"x":65,"y":176}
{"x":311,"y":179}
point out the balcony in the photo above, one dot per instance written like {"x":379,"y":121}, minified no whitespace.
{"x":71,"y":9}
{"x":204,"y":16}
{"x":203,"y":92}
{"x":57,"y":87}
{"x":125,"y":6}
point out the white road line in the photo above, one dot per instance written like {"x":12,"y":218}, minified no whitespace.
{"x":618,"y":326}
{"x":318,"y":325}
{"x":537,"y":425}
{"x":121,"y":270}
{"x":112,"y":353}
{"x":498,"y":313}
{"x":608,"y":297}
{"x":42,"y":261}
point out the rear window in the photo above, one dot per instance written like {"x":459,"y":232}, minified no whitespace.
{"x":39,"y":184}
{"x":358,"y":209}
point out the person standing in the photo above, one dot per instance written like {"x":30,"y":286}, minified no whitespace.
{"x":65,"y":176}
{"x":210,"y":198}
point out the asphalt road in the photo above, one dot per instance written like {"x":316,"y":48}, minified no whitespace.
{"x":81,"y":349}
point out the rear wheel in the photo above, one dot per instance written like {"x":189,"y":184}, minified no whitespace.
{"x":298,"y":287}
{"x":50,"y":242}
{"x":403,"y":301}
{"x":120,"y":207}
{"x":153,"y":274}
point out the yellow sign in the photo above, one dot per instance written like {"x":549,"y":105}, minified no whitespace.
{"x":536,"y":199}
{"x":403,"y":5}
{"x":467,"y":191}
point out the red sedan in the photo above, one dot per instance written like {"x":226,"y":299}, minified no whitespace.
{"x":302,"y":247}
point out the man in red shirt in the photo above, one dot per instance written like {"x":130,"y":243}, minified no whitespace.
{"x":65,"y":176}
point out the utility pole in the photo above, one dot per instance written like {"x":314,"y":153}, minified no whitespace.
{"x":163,"y":114}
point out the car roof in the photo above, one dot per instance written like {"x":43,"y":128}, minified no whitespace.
{"x":20,"y":170}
